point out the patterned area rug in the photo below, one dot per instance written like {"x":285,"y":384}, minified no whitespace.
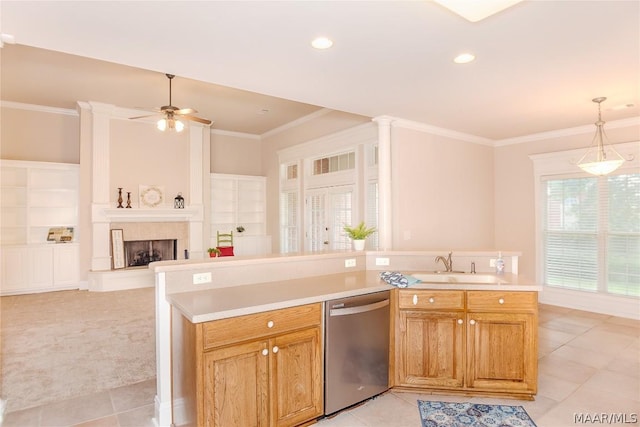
{"x":444,"y":414}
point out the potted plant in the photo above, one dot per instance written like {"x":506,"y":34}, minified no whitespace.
{"x":358,"y":234}
{"x":213,"y":252}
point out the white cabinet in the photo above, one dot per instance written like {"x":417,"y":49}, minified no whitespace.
{"x":240,"y":200}
{"x":36,"y":196}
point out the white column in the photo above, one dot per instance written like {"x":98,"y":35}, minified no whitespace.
{"x":199,"y":160}
{"x":385,"y":233}
{"x":163,"y":355}
{"x":100,"y":166}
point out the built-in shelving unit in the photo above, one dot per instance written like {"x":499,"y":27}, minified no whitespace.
{"x":240,"y":200}
{"x":36,"y":196}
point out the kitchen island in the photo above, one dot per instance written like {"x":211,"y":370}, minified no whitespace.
{"x":297,"y":281}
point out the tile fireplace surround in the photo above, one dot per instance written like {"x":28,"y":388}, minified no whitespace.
{"x":142,"y":224}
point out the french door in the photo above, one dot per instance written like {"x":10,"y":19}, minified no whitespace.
{"x":328,"y":210}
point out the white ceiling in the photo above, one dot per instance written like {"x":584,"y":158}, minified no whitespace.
{"x":539,"y":63}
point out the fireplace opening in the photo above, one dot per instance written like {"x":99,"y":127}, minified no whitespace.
{"x":139,"y":253}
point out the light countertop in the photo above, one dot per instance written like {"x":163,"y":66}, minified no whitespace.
{"x":221,"y":303}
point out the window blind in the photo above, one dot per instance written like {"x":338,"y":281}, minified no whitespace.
{"x":289,"y":221}
{"x":591,"y":233}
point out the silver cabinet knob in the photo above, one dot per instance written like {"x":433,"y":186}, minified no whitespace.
{"x":460,"y":322}
{"x":275,"y":349}
{"x":501,"y":301}
{"x":415,"y":299}
{"x":270,"y":324}
{"x":472,"y":322}
{"x":265,"y":352}
{"x":432,"y":300}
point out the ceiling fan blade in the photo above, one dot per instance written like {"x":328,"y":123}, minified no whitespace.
{"x":184,"y":111}
{"x":197,"y":119}
{"x":141,"y":117}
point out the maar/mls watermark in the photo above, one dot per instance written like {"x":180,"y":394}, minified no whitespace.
{"x":605,"y":418}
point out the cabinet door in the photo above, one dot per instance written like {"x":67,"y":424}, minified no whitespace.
{"x":40,"y":264}
{"x":236,"y":386}
{"x":15,"y":269}
{"x":296,"y":378}
{"x":65,"y":264}
{"x":431,"y":349}
{"x":502,"y":352}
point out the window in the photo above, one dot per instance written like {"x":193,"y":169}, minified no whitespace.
{"x":289,"y":221}
{"x":340,"y":162}
{"x":591,"y":233}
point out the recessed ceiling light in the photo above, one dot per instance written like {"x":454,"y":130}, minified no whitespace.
{"x":477,"y":10}
{"x":464,"y":58}
{"x":322,"y":43}
{"x":622,"y":107}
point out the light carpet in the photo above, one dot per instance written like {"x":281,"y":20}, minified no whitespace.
{"x":448,"y":414}
{"x":58,"y":345}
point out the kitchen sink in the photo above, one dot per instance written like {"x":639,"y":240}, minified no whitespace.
{"x":458,"y":278}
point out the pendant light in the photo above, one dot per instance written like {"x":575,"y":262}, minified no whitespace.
{"x":600,"y":158}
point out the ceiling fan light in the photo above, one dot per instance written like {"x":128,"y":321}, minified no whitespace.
{"x":162,"y":125}
{"x":169,"y":123}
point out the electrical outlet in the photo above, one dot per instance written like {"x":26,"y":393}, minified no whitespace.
{"x":200,"y":278}
{"x":351,"y":262}
{"x":492,"y":262}
{"x":382,"y":261}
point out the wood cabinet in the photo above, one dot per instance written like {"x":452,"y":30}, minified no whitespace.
{"x":470,"y":341}
{"x":431,"y":340}
{"x":262,"y":369}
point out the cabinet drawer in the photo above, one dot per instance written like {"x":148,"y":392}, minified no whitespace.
{"x":427,"y":299}
{"x":502,"y":301}
{"x":236,"y":329}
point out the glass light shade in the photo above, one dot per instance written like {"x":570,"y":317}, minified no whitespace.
{"x":162,"y":125}
{"x":171,"y":124}
{"x":600,"y":159}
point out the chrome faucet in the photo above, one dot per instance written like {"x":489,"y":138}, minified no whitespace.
{"x":448,"y":263}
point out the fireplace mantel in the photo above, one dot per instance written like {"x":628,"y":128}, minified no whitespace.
{"x":151,"y":215}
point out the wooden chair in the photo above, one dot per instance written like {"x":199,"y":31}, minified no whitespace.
{"x":225,"y":243}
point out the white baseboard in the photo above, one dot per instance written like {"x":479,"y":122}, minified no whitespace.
{"x":598,"y":303}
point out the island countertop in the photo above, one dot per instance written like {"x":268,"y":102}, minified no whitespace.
{"x":232,"y":301}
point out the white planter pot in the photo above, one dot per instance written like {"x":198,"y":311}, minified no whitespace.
{"x":358,"y":245}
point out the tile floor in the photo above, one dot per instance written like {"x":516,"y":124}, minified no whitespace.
{"x":588,"y":363}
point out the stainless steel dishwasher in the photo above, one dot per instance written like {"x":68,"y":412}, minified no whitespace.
{"x":356,"y":363}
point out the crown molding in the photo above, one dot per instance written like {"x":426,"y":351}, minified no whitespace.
{"x":236,"y":134}
{"x":297,"y":122}
{"x":39,"y":108}
{"x":578,"y":130}
{"x":434,"y":130}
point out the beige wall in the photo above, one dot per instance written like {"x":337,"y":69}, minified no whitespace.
{"x":326,"y":124}
{"x":142,"y":155}
{"x":237,"y":155}
{"x":39,"y":136}
{"x":442,"y":192}
{"x":514,"y":189}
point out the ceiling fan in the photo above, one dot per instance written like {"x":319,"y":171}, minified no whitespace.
{"x":171,"y":114}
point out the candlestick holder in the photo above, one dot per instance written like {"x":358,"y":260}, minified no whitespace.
{"x":120,"y":198}
{"x":128,"y":199}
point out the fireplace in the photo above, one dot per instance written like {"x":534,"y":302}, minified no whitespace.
{"x":139,"y":253}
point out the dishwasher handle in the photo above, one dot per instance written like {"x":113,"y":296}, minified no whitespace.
{"x":358,"y":309}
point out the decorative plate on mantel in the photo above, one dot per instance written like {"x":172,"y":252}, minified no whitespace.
{"x":151,"y":196}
